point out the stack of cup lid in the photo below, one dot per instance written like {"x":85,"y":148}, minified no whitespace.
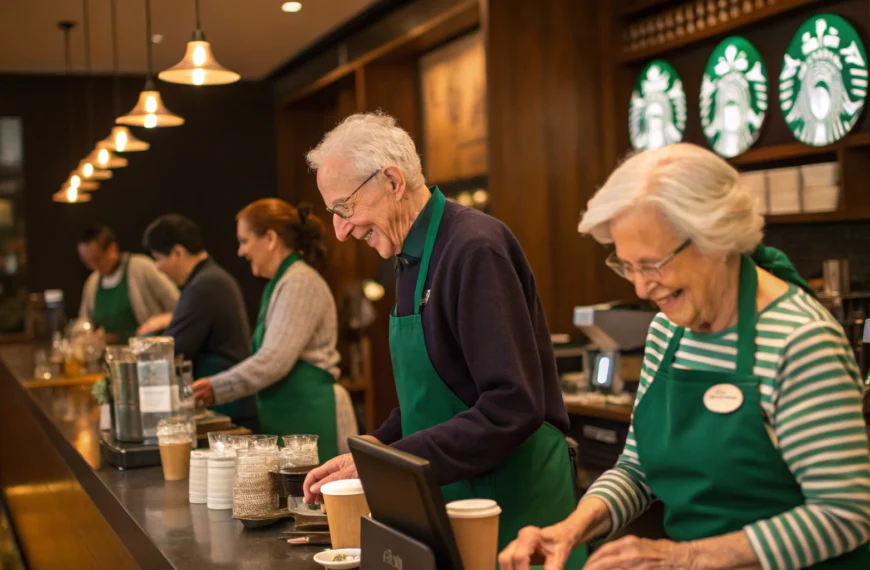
{"x":198,"y":482}
{"x":219,"y":488}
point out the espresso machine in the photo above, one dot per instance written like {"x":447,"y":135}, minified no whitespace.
{"x":617,"y":331}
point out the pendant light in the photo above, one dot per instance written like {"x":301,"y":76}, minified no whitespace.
{"x":106,"y":159}
{"x":150,"y":111}
{"x":88,"y":169}
{"x":199,"y":66}
{"x":71,"y":191}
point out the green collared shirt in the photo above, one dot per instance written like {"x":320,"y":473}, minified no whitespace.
{"x":412,"y":249}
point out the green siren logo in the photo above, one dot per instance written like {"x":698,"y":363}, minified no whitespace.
{"x":657,"y":114}
{"x":823,"y":83}
{"x":733,"y":97}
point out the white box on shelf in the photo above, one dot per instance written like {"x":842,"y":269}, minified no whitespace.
{"x":818,"y":199}
{"x":825,"y":174}
{"x":784,"y":188}
{"x":756,"y":183}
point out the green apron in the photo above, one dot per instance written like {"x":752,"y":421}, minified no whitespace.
{"x":735,"y":476}
{"x":303,"y":402}
{"x":113,"y":311}
{"x":242,"y":411}
{"x":534,"y":484}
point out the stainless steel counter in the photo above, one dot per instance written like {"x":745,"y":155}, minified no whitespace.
{"x":149,"y":517}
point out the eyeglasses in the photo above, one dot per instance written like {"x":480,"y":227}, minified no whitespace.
{"x":344,"y":208}
{"x":649,"y":272}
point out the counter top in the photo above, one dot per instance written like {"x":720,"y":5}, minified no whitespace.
{"x":151,"y":517}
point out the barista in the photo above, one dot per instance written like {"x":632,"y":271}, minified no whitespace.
{"x":210,"y":323}
{"x":124,"y":290}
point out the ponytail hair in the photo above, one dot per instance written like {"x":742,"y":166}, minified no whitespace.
{"x":297,"y":228}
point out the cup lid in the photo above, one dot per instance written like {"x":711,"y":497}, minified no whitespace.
{"x":345,"y":487}
{"x":473,"y":509}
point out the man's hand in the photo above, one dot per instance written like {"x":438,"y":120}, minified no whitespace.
{"x":202,"y":392}
{"x":154,"y":324}
{"x":336,"y":469}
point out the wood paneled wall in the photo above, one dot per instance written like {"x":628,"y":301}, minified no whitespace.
{"x":549,"y":143}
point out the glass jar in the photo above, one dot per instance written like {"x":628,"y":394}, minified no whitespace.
{"x":155,"y":368}
{"x":253,"y":491}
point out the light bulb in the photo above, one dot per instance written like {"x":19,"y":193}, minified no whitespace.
{"x":72,"y":193}
{"x":151,"y":104}
{"x":198,"y":76}
{"x":88,"y":170}
{"x":121,"y":140}
{"x":75,"y":181}
{"x":103,"y":157}
{"x":150,"y":121}
{"x":199,"y":56}
{"x":291,"y":6}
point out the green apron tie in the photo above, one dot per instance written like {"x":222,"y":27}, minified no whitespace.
{"x":303,"y":402}
{"x":113,"y":311}
{"x":716,"y":473}
{"x":534,"y":484}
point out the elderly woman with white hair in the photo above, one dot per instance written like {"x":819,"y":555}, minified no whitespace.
{"x":747,"y":424}
{"x":475,"y":373}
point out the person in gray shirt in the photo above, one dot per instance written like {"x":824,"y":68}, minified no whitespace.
{"x":209,"y":324}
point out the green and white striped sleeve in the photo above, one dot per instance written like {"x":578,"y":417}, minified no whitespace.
{"x":821,"y":434}
{"x":624,"y":488}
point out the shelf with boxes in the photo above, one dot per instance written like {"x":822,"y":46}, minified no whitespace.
{"x":805,"y":189}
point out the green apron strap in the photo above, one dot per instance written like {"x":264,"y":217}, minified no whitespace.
{"x":260,"y":329}
{"x":747,"y":316}
{"x":776,"y":262}
{"x":431,"y":234}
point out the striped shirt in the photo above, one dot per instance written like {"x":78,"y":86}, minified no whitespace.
{"x":811,"y":394}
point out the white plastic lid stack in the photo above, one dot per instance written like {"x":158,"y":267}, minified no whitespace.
{"x":342,"y":488}
{"x":473,"y":509}
{"x":198,"y":480}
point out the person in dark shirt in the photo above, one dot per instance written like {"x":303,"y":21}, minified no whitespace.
{"x":479,"y":395}
{"x":210,"y":323}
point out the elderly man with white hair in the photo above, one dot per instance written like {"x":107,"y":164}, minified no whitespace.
{"x":747,"y":424}
{"x":479,"y":394}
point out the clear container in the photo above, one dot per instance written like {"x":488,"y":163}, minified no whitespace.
{"x":121,"y":367}
{"x":155,"y":367}
{"x":253,"y":492}
{"x":185,"y":403}
{"x":300,"y":451}
{"x":264,"y":442}
{"x":176,"y":437}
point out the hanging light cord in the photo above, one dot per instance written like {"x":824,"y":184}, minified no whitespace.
{"x":115,"y":59}
{"x":86,"y":28}
{"x":67,"y":62}
{"x":149,"y":80}
{"x":196,"y":4}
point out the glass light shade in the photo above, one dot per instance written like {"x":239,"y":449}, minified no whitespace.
{"x":106,"y":159}
{"x":122,"y":140}
{"x":70,"y":195}
{"x":199,"y":67}
{"x":150,"y":112}
{"x":89,"y":171}
{"x":76,"y":181}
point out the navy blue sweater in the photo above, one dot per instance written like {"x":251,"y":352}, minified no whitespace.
{"x":488,"y":339}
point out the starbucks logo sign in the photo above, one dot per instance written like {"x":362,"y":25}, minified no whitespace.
{"x":733,"y":97}
{"x":657,"y":113}
{"x":823,"y":83}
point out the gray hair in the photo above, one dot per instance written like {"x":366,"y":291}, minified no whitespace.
{"x":370,"y":141}
{"x":699,"y":193}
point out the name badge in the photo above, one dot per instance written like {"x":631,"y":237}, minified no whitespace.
{"x":723,"y":398}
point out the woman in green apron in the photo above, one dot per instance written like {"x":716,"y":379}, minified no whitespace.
{"x":747,"y":424}
{"x":293,"y":365}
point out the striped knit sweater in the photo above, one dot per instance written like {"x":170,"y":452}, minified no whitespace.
{"x":811,"y":393}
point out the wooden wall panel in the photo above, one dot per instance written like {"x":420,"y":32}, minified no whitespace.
{"x":545,"y":96}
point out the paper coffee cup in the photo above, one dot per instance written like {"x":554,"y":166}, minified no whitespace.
{"x":345,"y":506}
{"x":475,"y":529}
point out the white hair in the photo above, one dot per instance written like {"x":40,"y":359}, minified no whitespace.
{"x":698,"y":193}
{"x":370,"y":141}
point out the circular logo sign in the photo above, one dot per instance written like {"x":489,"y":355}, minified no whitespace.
{"x":723,"y":398}
{"x":657,"y":113}
{"x":733,"y":97}
{"x":823,"y":83}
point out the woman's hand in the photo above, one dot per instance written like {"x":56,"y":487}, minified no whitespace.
{"x":550,"y":546}
{"x":336,"y":469}
{"x":640,"y":554}
{"x":154,"y":324}
{"x":202,"y":392}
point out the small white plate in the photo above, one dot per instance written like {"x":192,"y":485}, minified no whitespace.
{"x":325,"y":558}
